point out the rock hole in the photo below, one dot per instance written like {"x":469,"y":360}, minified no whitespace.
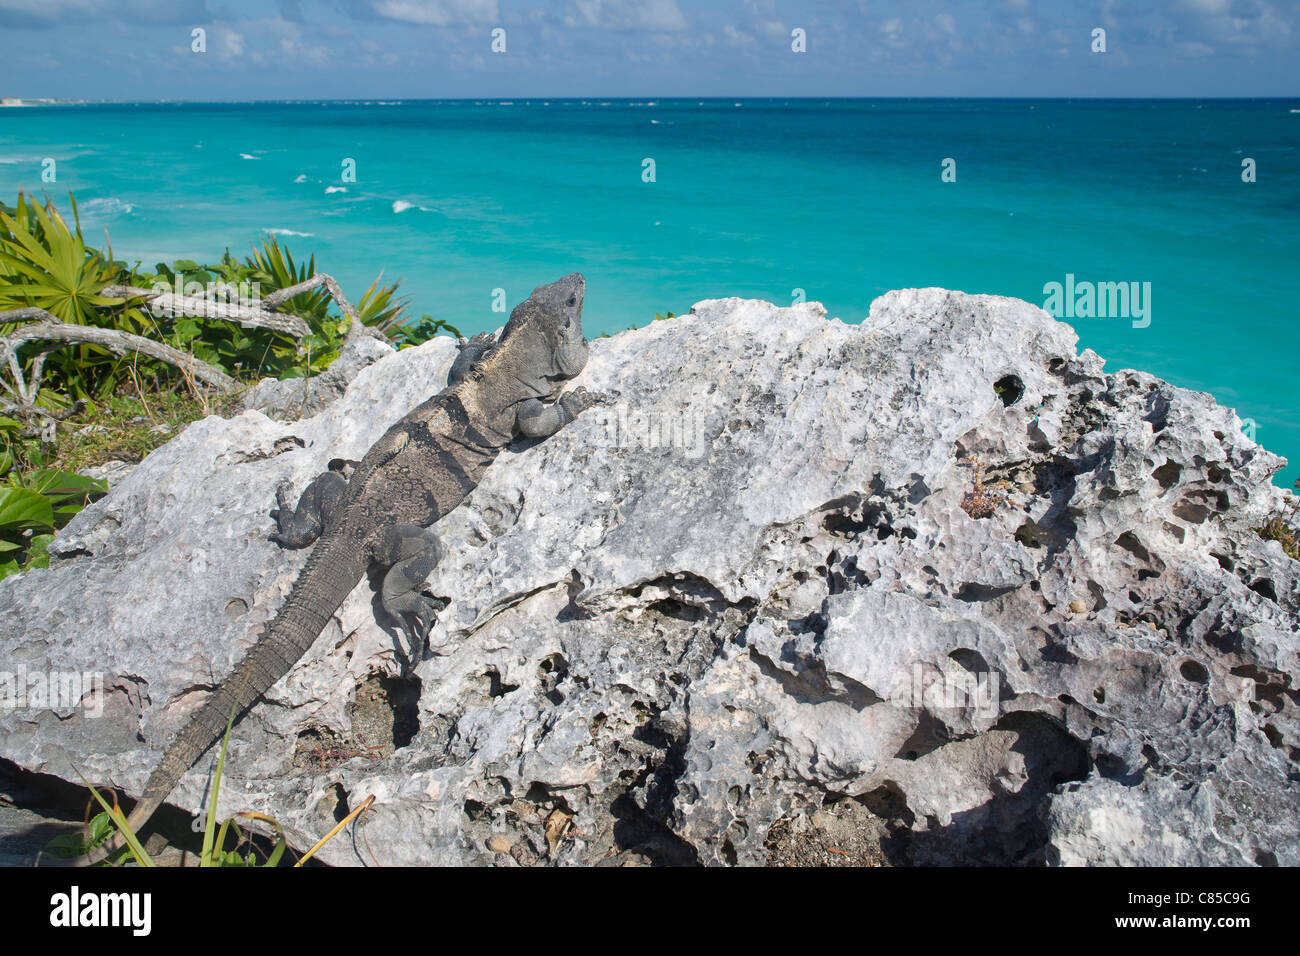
{"x":1265,"y":858}
{"x":729,"y":852}
{"x":1225,"y":562}
{"x":1194,"y":671}
{"x":236,"y":607}
{"x":1010,"y":389}
{"x":1265,"y":588}
{"x":1029,"y":535}
{"x":970,"y":660}
{"x":973,"y":592}
{"x":551,"y":672}
{"x":1099,"y":695}
{"x":385,"y":712}
{"x":1130,"y":543}
{"x":1168,"y":474}
{"x":336,"y":795}
{"x":1191,"y":512}
{"x":1174,"y":531}
{"x":496,"y":687}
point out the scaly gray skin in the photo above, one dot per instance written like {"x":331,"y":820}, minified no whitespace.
{"x":379,"y":509}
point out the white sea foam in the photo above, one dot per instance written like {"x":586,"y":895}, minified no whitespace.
{"x":248,"y":156}
{"x":402,"y":205}
{"x":105,"y":208}
{"x":287,"y":232}
{"x":300,"y":178}
{"x":335,"y":189}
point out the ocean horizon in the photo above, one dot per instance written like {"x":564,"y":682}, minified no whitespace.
{"x":1165,"y":231}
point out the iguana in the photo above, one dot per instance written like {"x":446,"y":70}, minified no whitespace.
{"x":379,"y":510}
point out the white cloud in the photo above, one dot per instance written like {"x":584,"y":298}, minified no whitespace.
{"x":653,"y":15}
{"x":57,"y":13}
{"x":229,"y":44}
{"x":438,"y":13}
{"x":737,"y":37}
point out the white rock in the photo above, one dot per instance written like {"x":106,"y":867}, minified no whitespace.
{"x":746,"y":583}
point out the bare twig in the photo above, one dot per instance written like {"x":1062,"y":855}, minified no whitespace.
{"x":324,"y":279}
{"x":167,"y":304}
{"x":120,"y":343}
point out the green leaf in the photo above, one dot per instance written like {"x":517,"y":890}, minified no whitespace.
{"x":38,"y":555}
{"x":20,"y":508}
{"x":186,"y":329}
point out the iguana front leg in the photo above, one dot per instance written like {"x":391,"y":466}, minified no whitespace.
{"x":471,"y":353}
{"x":536,"y":420}
{"x":317,"y":506}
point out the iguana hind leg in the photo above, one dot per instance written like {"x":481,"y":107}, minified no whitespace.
{"x":410,"y":553}
{"x":318,"y":505}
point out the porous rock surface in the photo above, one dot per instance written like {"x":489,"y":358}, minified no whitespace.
{"x":937,"y":566}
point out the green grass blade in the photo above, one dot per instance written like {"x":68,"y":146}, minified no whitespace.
{"x":132,"y":843}
{"x":209,"y":830}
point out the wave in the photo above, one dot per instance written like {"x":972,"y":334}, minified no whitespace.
{"x":335,"y":189}
{"x":106,"y":207}
{"x":401,"y":205}
{"x":287,"y":232}
{"x":248,"y":156}
{"x":300,"y":178}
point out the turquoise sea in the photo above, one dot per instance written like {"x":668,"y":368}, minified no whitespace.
{"x":840,"y":198}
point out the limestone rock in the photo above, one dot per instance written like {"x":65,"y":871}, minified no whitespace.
{"x":292,"y":398}
{"x":938,"y":564}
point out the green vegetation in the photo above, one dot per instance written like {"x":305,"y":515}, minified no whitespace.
{"x":1284,"y":529}
{"x":67,"y":405}
{"x":101,"y":828}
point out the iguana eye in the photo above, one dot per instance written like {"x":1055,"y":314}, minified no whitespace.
{"x":573,"y":300}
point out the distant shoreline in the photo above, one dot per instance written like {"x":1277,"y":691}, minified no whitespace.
{"x":25,"y":101}
{"x":639,"y":100}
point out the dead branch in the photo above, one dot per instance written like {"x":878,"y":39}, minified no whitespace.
{"x":356,"y":326}
{"x":120,"y":343}
{"x":168,"y":304}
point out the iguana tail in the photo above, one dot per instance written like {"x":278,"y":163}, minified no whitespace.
{"x":336,"y":564}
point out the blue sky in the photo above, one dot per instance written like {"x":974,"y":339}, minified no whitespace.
{"x":289,"y":49}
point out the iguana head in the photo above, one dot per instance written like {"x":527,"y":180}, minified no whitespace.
{"x":548,"y":325}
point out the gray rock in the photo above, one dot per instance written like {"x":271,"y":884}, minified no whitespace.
{"x":752,"y":582}
{"x":113,"y":471}
{"x":293,"y":398}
